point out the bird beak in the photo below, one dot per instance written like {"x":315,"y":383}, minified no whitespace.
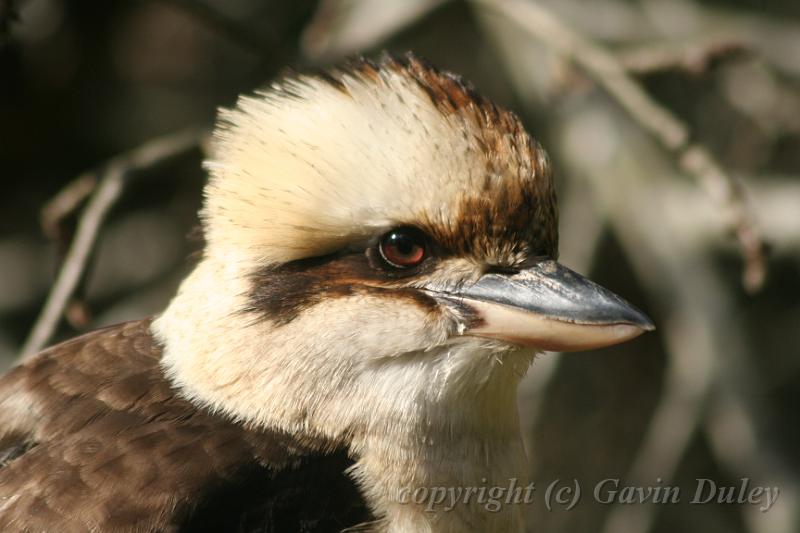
{"x":550,"y":307}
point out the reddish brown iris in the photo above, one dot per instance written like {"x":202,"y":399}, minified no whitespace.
{"x":403,"y":247}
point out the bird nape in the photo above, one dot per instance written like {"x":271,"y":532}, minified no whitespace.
{"x":379,"y":271}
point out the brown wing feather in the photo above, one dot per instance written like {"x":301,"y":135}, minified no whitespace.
{"x":96,"y":439}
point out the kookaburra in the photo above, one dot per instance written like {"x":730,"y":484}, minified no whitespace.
{"x":379,"y":270}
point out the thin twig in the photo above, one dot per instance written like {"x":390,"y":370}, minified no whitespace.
{"x":776,"y":37}
{"x":692,"y":58}
{"x":66,"y":202}
{"x":111,"y":182}
{"x":625,"y":23}
{"x":661,"y":123}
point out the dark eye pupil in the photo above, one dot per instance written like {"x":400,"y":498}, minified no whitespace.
{"x":404,"y":244}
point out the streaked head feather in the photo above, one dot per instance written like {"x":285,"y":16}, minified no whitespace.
{"x":316,"y":163}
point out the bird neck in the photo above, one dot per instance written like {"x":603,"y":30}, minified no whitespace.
{"x":430,"y":465}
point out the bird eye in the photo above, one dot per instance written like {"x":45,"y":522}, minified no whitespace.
{"x":403,"y":247}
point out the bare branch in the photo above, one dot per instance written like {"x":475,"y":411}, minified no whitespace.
{"x":111,"y":182}
{"x":626,"y":23}
{"x":661,"y":123}
{"x":692,"y":58}
{"x":727,"y":192}
{"x":66,"y":202}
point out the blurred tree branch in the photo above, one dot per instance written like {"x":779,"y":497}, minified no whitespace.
{"x":694,"y":58}
{"x":709,"y":375}
{"x":626,"y":23}
{"x":693,"y":158}
{"x":67,"y":201}
{"x":110,"y":182}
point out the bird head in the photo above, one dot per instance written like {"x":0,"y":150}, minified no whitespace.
{"x":377,"y":237}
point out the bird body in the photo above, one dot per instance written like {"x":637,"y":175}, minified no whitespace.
{"x":96,"y":439}
{"x":379,"y":270}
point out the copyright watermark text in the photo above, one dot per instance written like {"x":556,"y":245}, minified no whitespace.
{"x":566,"y":494}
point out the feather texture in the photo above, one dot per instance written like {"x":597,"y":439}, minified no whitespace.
{"x":111,"y":446}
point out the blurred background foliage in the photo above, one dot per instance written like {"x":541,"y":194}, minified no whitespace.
{"x":633,"y":99}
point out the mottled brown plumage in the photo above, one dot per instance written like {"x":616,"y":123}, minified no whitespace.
{"x":111,"y":446}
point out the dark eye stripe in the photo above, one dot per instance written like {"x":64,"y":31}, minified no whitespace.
{"x":281,"y":293}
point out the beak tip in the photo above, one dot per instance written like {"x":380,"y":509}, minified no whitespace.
{"x":639,"y":319}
